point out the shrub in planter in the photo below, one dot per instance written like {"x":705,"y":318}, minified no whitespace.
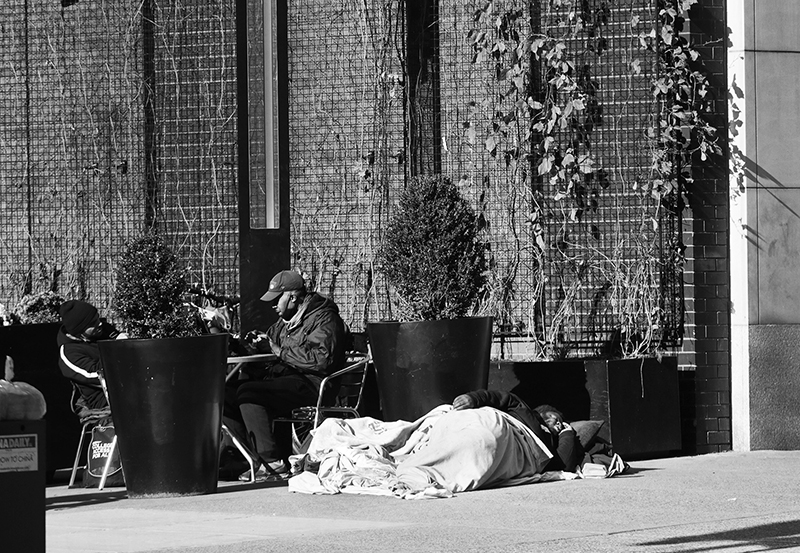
{"x":432,"y":253}
{"x":166,"y":382}
{"x":434,"y":259}
{"x":150,"y":285}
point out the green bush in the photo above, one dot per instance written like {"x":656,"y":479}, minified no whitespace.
{"x":150,"y":285}
{"x":38,"y":308}
{"x":432,"y":253}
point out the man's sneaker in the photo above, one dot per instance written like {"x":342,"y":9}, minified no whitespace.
{"x":267,"y":472}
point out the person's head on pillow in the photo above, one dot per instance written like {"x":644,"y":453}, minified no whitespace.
{"x":553,"y":418}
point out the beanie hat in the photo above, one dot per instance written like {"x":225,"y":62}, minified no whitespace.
{"x":77,"y":315}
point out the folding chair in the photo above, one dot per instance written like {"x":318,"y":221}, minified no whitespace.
{"x":348,"y":384}
{"x":89,"y":418}
{"x":340,"y":395}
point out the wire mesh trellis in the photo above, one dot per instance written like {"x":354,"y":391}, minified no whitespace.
{"x":607,"y":262}
{"x":116,"y":114}
{"x":71,"y":132}
{"x":346,"y":107}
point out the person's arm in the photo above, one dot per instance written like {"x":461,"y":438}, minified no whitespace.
{"x":79,"y":365}
{"x":569,"y":449}
{"x":504,"y":401}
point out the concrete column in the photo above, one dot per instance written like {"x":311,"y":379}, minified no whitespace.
{"x":737,"y":136}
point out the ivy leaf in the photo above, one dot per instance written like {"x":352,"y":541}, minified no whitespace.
{"x":544,"y":166}
{"x":660,"y":87}
{"x":666,"y":34}
{"x":635,"y":20}
{"x":585,"y":164}
{"x":686,"y":4}
{"x":636,"y":67}
{"x":536,"y":45}
{"x":491,"y":145}
{"x":573,"y":214}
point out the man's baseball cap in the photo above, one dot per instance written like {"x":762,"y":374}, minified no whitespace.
{"x":285,"y":281}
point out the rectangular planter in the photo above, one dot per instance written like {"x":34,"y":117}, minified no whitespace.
{"x":637,"y":398}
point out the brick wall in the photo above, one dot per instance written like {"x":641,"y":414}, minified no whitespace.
{"x":705,"y":358}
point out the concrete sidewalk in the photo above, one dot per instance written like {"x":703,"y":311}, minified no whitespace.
{"x":732,"y":502}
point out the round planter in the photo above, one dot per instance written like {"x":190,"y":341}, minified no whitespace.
{"x":421,"y":365}
{"x":166,"y":400}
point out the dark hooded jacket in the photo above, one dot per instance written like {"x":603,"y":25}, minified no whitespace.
{"x":315,"y":341}
{"x":80,"y":362}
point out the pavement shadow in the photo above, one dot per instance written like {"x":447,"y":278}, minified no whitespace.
{"x":84,"y":499}
{"x":232,"y":487}
{"x":633,"y":471}
{"x":763,"y":537}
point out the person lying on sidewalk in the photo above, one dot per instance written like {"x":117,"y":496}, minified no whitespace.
{"x":546,"y":422}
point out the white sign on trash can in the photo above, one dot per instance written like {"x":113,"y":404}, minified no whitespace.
{"x":19,"y":453}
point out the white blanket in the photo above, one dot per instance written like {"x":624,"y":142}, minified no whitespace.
{"x":441,"y":453}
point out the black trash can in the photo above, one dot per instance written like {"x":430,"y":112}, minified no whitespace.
{"x":421,"y":365}
{"x":34,"y":350}
{"x":22,"y":481}
{"x":166,"y":401}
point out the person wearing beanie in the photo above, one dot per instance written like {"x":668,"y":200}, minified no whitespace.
{"x":78,"y":352}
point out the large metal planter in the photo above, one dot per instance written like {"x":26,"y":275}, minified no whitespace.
{"x":421,"y":365}
{"x":166,"y":400}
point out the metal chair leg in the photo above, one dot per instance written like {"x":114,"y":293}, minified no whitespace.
{"x":243,"y":450}
{"x":78,"y":454}
{"x":108,"y":462}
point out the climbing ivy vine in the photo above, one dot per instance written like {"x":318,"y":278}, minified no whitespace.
{"x":549,"y":106}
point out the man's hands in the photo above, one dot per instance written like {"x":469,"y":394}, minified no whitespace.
{"x":463,"y":401}
{"x":276,"y":349}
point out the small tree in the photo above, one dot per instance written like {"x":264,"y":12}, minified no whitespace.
{"x":150,"y":286}
{"x":432,"y":253}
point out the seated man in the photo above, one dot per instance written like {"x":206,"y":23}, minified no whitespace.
{"x":309,"y":340}
{"x":545,"y":421}
{"x":79,"y":354}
